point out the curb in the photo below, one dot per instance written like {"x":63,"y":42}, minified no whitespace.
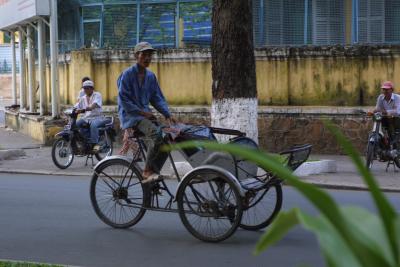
{"x":11,"y":153}
{"x":353,"y":187}
{"x":316,"y":167}
{"x":45,"y":172}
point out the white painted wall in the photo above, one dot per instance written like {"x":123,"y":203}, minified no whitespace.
{"x":238,"y":114}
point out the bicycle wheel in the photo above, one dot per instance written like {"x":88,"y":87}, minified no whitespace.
{"x":370,"y":154}
{"x":62,"y":154}
{"x":262,"y":207}
{"x":209,"y":205}
{"x":117,"y":196}
{"x":106,"y":147}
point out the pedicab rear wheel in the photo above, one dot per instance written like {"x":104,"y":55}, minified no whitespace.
{"x":117,"y":195}
{"x":209,"y":205}
{"x":262,"y":208}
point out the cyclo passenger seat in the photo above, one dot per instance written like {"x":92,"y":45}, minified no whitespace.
{"x":297,"y":155}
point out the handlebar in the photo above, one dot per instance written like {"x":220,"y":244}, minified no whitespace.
{"x":371,"y":114}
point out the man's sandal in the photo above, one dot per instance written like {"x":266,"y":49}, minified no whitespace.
{"x":152,"y":178}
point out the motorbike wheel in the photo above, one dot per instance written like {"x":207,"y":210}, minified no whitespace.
{"x":106,"y":147}
{"x":370,"y":155}
{"x":62,"y":154}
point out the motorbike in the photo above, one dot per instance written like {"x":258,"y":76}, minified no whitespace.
{"x":71,"y":142}
{"x":380,"y":146}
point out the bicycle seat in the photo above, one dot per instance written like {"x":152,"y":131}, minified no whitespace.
{"x":252,"y":184}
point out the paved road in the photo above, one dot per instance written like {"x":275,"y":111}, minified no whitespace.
{"x":2,"y":118}
{"x":50,"y":219}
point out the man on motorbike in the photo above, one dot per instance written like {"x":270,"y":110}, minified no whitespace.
{"x":82,"y":91}
{"x":388,"y":103}
{"x":90,"y":105}
{"x":137,"y":88}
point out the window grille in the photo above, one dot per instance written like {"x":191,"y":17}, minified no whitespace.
{"x":92,"y":18}
{"x":371,"y":21}
{"x":157,"y":24}
{"x":69,"y":29}
{"x":122,"y":23}
{"x":392,"y":21}
{"x":91,"y":12}
{"x":196,"y":22}
{"x":328,"y":22}
{"x":287,"y":22}
{"x":257,"y":6}
{"x":119,"y":28}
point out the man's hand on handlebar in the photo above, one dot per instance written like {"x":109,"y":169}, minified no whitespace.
{"x":148,"y":115}
{"x":170,"y":121}
{"x":78,"y":111}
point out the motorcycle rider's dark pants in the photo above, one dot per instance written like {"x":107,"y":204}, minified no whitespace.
{"x":153,"y":140}
{"x":392,"y":126}
{"x":93,"y":126}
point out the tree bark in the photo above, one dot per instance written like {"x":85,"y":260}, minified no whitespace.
{"x":233,"y":67}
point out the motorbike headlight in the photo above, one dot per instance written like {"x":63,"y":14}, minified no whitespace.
{"x":378,"y":116}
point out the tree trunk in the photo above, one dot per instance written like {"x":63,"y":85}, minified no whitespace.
{"x":234,"y":89}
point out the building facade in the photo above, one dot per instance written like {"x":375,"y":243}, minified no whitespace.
{"x":180,"y":23}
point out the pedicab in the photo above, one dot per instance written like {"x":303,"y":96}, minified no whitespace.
{"x":221,"y":193}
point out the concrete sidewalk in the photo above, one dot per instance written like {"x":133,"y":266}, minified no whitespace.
{"x":37,"y":160}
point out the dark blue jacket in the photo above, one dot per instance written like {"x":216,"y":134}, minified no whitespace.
{"x":133,"y":98}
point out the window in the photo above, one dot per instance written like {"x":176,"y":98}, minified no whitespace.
{"x":328,"y":22}
{"x":371,"y":21}
{"x":157,"y":24}
{"x":7,"y":38}
{"x":119,"y":25}
{"x":196,"y":22}
{"x":287,"y":22}
{"x":92,"y":26}
{"x":392,"y":21}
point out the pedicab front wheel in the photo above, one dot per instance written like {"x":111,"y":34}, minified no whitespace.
{"x":117,"y":195}
{"x":209,"y":205}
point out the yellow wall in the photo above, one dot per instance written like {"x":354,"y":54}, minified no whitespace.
{"x":281,"y":80}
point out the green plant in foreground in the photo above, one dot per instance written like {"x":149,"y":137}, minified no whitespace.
{"x":348,"y":236}
{"x":25,"y":264}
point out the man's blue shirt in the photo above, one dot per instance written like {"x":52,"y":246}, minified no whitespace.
{"x":133,"y":98}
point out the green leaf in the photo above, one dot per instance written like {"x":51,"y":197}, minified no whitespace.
{"x":397,"y":235}
{"x":386,"y":211}
{"x":319,"y":198}
{"x":279,"y":227}
{"x":369,"y":230}
{"x":336,"y":251}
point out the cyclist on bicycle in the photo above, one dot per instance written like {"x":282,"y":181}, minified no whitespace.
{"x":388,"y":103}
{"x":137,"y":88}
